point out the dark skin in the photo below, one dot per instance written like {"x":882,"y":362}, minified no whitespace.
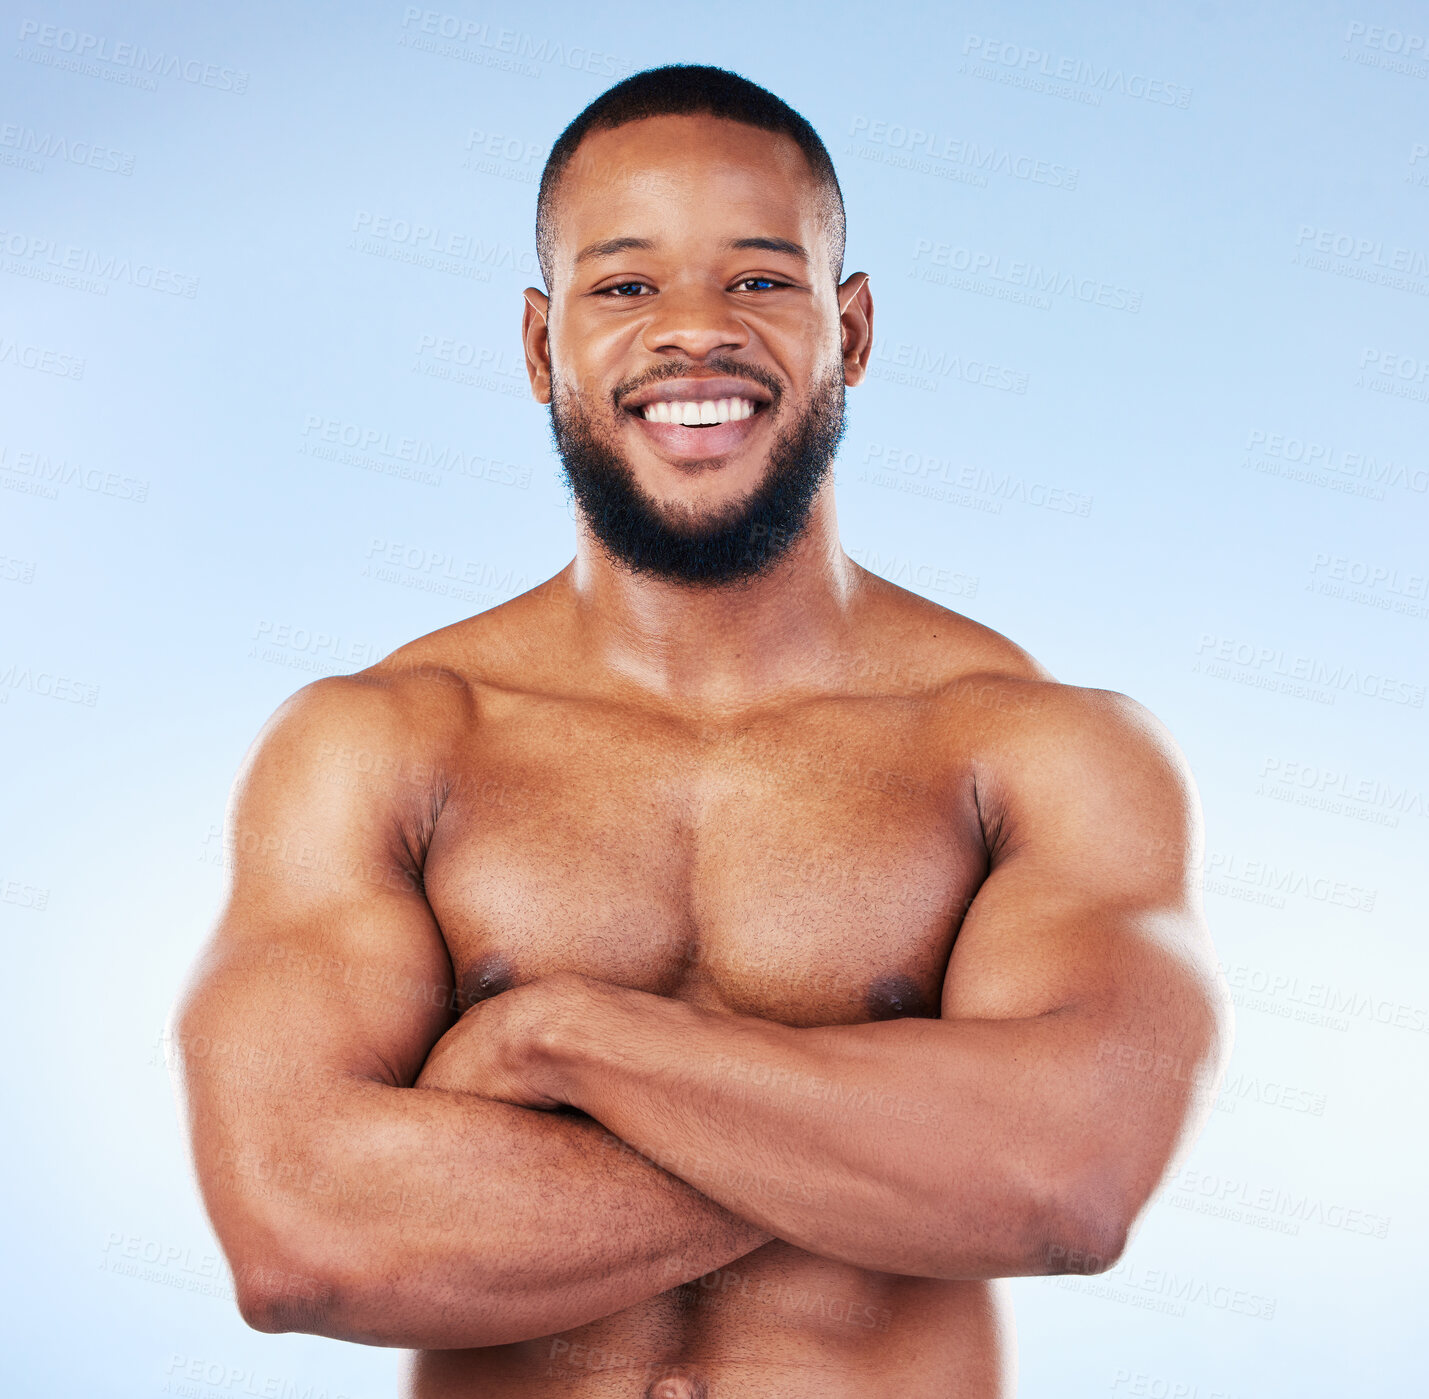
{"x":656,"y":991}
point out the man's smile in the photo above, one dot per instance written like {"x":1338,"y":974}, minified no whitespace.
{"x":698,"y":417}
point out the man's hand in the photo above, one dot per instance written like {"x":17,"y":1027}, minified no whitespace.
{"x":508,"y":1047}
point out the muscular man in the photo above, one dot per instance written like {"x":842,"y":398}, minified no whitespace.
{"x":709,"y":972}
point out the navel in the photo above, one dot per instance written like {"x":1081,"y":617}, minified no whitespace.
{"x":679,"y":1383}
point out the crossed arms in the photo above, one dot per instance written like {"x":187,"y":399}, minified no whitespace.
{"x":377,"y":1173}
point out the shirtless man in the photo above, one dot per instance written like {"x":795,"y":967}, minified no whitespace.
{"x":709,"y":972}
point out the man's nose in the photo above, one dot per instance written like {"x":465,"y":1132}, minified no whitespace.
{"x":697,"y":321}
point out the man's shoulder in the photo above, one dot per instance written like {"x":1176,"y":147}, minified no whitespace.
{"x":374,"y":740}
{"x":1011,"y":707}
{"x":1070,"y":752}
{"x":408,"y":708}
{"x":424,"y":699}
{"x":1038,"y":723}
{"x":436,"y":678}
{"x":906,"y":646}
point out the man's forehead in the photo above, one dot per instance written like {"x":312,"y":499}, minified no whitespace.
{"x":688,"y":137}
{"x":641,"y":183}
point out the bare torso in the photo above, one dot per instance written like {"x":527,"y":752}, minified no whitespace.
{"x":806,"y":862}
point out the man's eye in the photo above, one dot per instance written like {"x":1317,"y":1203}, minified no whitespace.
{"x":625,"y":289}
{"x":766,"y":282}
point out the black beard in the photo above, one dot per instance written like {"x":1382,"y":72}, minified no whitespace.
{"x":746,"y":538}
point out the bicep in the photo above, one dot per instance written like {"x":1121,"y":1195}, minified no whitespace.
{"x":326,"y":961}
{"x":1092,"y":882}
{"x":1088,"y":928}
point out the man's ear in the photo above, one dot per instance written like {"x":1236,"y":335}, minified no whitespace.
{"x":855,"y":326}
{"x":537,"y":343}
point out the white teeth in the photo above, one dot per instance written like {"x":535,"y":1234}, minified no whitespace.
{"x":693,"y":414}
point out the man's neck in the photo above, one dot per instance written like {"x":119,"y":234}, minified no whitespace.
{"x":724,"y":646}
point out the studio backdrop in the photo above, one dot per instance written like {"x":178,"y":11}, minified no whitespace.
{"x":1149,"y":394}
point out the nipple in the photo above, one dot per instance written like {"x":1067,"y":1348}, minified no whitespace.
{"x":486,"y":977}
{"x":896,"y":996}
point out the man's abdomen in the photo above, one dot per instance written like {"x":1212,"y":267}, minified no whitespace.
{"x":776,"y":1324}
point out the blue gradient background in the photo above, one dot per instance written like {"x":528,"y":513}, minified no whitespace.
{"x":1200,"y":572}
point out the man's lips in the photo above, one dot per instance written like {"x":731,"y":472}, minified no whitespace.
{"x":742,"y":404}
{"x":675,"y":441}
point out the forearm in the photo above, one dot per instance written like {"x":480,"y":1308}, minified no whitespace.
{"x":911,"y":1146}
{"x":431,"y":1218}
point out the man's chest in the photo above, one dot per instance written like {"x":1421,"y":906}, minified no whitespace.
{"x":811,"y":868}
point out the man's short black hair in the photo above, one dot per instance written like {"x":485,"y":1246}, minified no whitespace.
{"x":688,"y":89}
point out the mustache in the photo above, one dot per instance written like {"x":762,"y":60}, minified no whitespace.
{"x":718,"y":364}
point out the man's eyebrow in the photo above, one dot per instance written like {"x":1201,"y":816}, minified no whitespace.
{"x":771,"y":245}
{"x":611,"y":246}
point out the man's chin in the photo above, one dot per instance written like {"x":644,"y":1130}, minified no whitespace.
{"x":701,"y":523}
{"x":759,"y":508}
{"x":697,"y":487}
{"x":658,"y":486}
